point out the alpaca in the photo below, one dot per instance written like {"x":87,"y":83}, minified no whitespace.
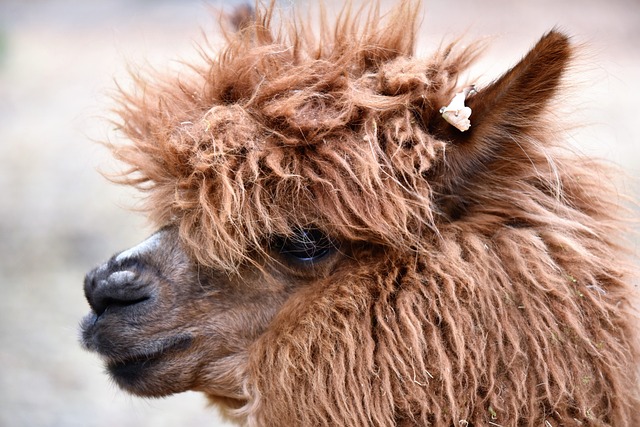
{"x":350,"y":235}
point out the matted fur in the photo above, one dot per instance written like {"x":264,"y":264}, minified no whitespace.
{"x":493,"y":292}
{"x":279,"y":123}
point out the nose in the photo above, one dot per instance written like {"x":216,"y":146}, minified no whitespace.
{"x":111,"y":286}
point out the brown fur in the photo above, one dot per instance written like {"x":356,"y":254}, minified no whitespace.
{"x":479,"y":278}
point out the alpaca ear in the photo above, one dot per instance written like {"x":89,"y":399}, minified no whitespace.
{"x":508,"y":109}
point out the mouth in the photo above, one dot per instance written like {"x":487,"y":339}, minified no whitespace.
{"x":129,"y":369}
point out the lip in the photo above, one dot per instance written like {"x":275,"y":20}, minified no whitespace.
{"x":129,"y":367}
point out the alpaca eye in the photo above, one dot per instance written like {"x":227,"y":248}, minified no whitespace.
{"x":307,"y":245}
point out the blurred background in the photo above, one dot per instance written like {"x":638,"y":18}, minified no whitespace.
{"x":59,"y":216}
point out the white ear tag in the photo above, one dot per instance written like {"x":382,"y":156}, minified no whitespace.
{"x":456,"y":113}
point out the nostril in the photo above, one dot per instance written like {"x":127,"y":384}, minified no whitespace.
{"x":102,"y":304}
{"x":119,"y":289}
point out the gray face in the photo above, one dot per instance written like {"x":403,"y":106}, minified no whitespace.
{"x":164,"y":324}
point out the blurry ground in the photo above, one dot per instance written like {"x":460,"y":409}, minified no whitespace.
{"x":59,"y":217}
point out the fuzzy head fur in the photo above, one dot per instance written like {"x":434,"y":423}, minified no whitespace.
{"x":480,"y":279}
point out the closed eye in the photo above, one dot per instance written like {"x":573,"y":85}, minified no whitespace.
{"x":308,"y":245}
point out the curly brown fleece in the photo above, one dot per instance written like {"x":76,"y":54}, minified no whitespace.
{"x":498,"y":294}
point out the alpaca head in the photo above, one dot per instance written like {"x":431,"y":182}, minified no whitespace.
{"x":330,"y":226}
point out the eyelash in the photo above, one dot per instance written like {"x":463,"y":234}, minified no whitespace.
{"x":307,"y":245}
